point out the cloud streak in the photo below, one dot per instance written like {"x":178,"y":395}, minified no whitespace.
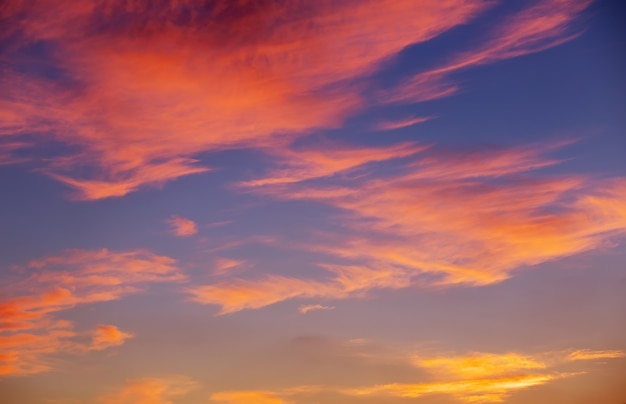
{"x":474,"y":378}
{"x":311,"y":307}
{"x":441,"y":218}
{"x":149,"y":390}
{"x":402,"y":123}
{"x":543,"y":25}
{"x":587,"y":354}
{"x":244,"y":397}
{"x":29,"y":332}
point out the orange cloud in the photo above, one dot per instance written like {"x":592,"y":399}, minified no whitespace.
{"x":29,"y":334}
{"x":239,"y":294}
{"x":148,"y":93}
{"x":543,"y":25}
{"x":471,"y":391}
{"x":107,"y":336}
{"x":586,"y":354}
{"x":151,"y":391}
{"x":26,"y":353}
{"x":473,"y":378}
{"x":246,"y":397}
{"x":182,"y":227}
{"x":440,"y":218}
{"x":482,"y":377}
{"x":478,"y":365}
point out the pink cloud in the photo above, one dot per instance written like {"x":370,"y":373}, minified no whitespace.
{"x":402,"y":123}
{"x":151,"y":94}
{"x":441,"y":218}
{"x":543,"y":25}
{"x":311,"y":307}
{"x":182,"y":227}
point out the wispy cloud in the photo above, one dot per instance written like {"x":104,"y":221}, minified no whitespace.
{"x":29,"y":332}
{"x":148,"y":94}
{"x":311,"y":307}
{"x":473,"y":378}
{"x":182,"y":227}
{"x":344,"y":281}
{"x":402,"y":123}
{"x":439,"y":218}
{"x":543,"y":25}
{"x":328,"y":159}
{"x":225,"y":266}
{"x":8,"y":153}
{"x":473,"y":391}
{"x":478,"y":365}
{"x":587,"y":354}
{"x":151,"y":391}
{"x":245,"y":397}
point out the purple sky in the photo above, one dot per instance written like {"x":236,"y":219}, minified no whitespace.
{"x":298,"y":202}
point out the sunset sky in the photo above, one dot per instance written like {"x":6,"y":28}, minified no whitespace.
{"x":312,"y":201}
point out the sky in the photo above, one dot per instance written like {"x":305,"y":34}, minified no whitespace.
{"x":300,"y":202}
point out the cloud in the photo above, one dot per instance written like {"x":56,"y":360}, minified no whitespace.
{"x":433,"y":218}
{"x":478,"y":365}
{"x":29,"y":332}
{"x":475,"y":216}
{"x":154,"y":174}
{"x":8,"y":152}
{"x":328,"y":159}
{"x":25,"y":353}
{"x":225,"y":266}
{"x":471,"y":391}
{"x":107,"y":336}
{"x":587,"y":354}
{"x":239,"y":294}
{"x":543,"y":25}
{"x":478,"y":377}
{"x":403,"y":123}
{"x":151,"y":391}
{"x":141,"y":89}
{"x":310,"y":307}
{"x":245,"y":397}
{"x":182,"y":227}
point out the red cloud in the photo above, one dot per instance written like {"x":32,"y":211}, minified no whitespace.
{"x":145,"y":93}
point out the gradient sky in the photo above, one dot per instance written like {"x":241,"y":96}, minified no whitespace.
{"x":299,"y":202}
